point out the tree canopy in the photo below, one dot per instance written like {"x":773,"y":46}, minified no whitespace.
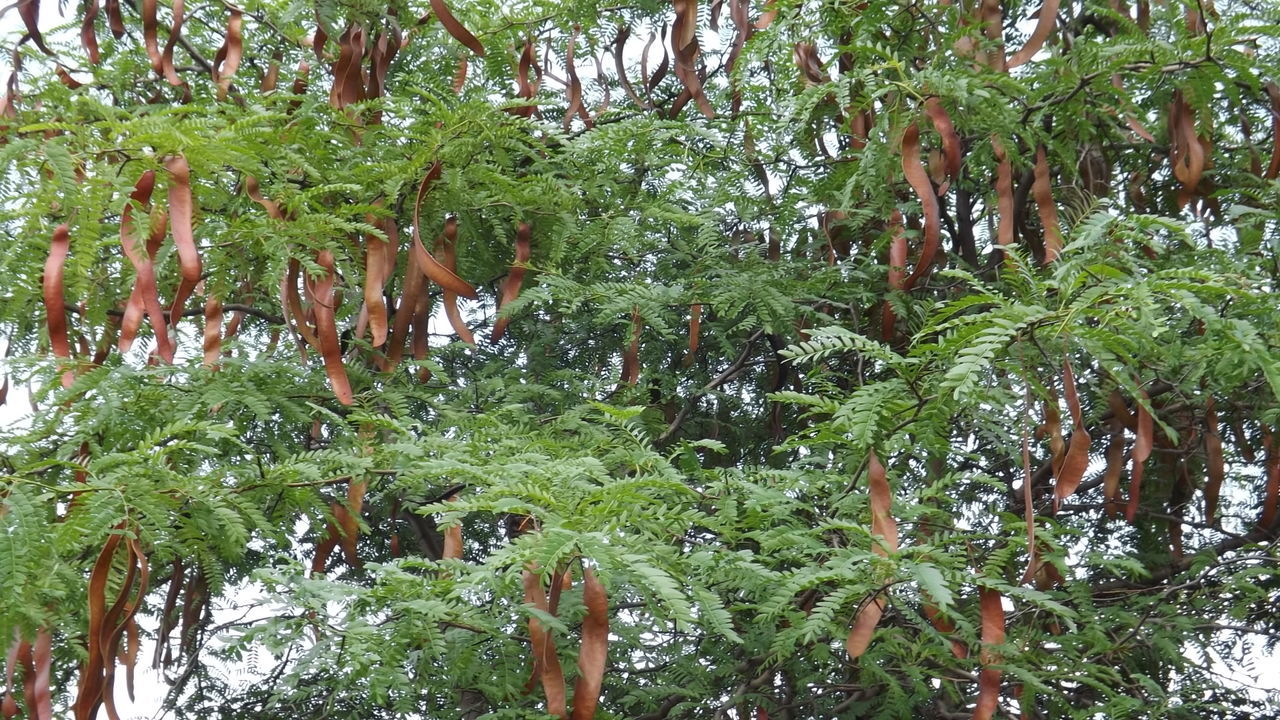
{"x":724,"y":359}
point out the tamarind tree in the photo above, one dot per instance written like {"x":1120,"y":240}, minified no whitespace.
{"x":722,"y":359}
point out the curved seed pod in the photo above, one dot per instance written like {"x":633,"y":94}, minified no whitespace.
{"x":943,"y":625}
{"x":918,"y":178}
{"x":212,"y":331}
{"x":166,"y":57}
{"x":89,"y":33}
{"x":438,"y":273}
{"x":42,"y":663}
{"x":1044,"y":26}
{"x":455,"y":28}
{"x":684,"y":45}
{"x":806,"y":57}
{"x":448,"y":258}
{"x":180,"y":219}
{"x":545,"y":660}
{"x":413,"y":282}
{"x":1144,"y":433}
{"x":348,"y":78}
{"x":327,"y":329}
{"x":897,"y":265}
{"x":1271,"y":498}
{"x":326,"y":547}
{"x":421,"y":343}
{"x":574,"y":86}
{"x":631,"y":356}
{"x":864,"y":625}
{"x":145,"y":296}
{"x":167,"y":619}
{"x":515,"y":277}
{"x":882,"y":521}
{"x":1068,"y":475}
{"x":292,"y":303}
{"x":1004,"y":194}
{"x":227,"y":60}
{"x":1188,"y":152}
{"x":1115,"y":466}
{"x":453,"y":538}
{"x":1028,"y":499}
{"x":1120,"y":410}
{"x":595,"y":648}
{"x":620,"y":65}
{"x":29,"y":11}
{"x":67,"y":80}
{"x":9,"y":706}
{"x":950,"y":138}
{"x":695,"y":332}
{"x":115,"y":20}
{"x":527,"y":89}
{"x":884,"y":526}
{"x":992,"y":634}
{"x":460,"y":75}
{"x":349,"y":521}
{"x":1213,"y":461}
{"x":1046,"y":208}
{"x":768,"y":16}
{"x":375,"y":281}
{"x":54,"y":302}
{"x":150,"y":38}
{"x":1053,"y":428}
{"x":89,"y":696}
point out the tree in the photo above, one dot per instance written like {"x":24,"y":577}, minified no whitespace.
{"x":700,"y":360}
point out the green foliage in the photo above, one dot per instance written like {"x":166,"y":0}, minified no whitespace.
{"x":723,"y":498}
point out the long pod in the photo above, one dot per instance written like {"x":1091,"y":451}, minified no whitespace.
{"x":54,"y":302}
{"x":918,"y":178}
{"x":1044,"y":27}
{"x":515,"y":277}
{"x":327,"y":329}
{"x":145,"y":296}
{"x":212,"y":331}
{"x":545,"y":660}
{"x":884,"y":530}
{"x":1141,"y":451}
{"x":992,"y":634}
{"x":594,"y":652}
{"x":227,"y":60}
{"x":437,"y":272}
{"x":1212,"y":460}
{"x":1070,"y":472}
{"x":181,"y":222}
{"x":375,"y":280}
{"x":446,"y":245}
{"x":1047,"y":209}
{"x":455,"y":28}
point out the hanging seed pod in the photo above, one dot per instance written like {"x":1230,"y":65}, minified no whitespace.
{"x":1213,"y":461}
{"x":327,"y":328}
{"x":455,"y":28}
{"x":546,"y":661}
{"x":54,"y":300}
{"x":593,"y":654}
{"x":1144,"y":433}
{"x":918,"y":178}
{"x":992,"y":634}
{"x":1048,"y":15}
{"x":1070,"y":472}
{"x":1046,"y":208}
{"x":515,"y":278}
{"x":181,"y":224}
